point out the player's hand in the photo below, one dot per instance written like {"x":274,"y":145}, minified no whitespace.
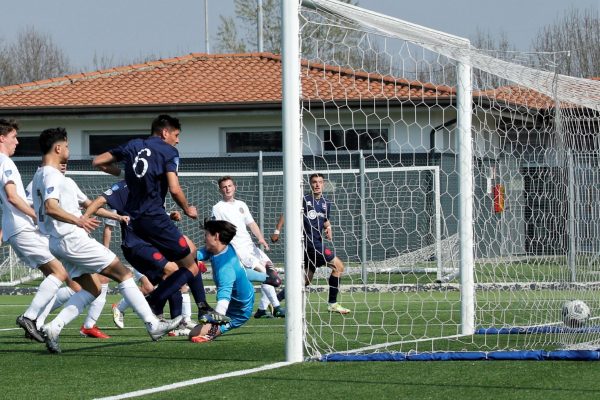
{"x":214,"y":317}
{"x":87,"y":223}
{"x":265,"y":244}
{"x":191,"y":212}
{"x":125,"y":219}
{"x":328,"y":234}
{"x":274,"y":237}
{"x":175,"y":215}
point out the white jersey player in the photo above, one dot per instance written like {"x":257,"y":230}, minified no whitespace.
{"x":20,"y":231}
{"x":56,"y":201}
{"x":237,"y":212}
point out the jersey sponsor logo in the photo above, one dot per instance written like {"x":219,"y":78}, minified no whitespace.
{"x":50,"y":190}
{"x":312,"y":214}
{"x":8,"y":172}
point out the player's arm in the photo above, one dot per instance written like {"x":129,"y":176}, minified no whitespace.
{"x":327,"y":229}
{"x":54,"y":210}
{"x":107,"y":162}
{"x":17,"y":201}
{"x":277,"y":231}
{"x":179,"y":196}
{"x":102,"y":212}
{"x":255,"y":229}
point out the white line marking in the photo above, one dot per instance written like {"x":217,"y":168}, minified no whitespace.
{"x":197,"y":381}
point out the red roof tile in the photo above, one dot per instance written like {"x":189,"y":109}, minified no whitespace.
{"x":210,"y":79}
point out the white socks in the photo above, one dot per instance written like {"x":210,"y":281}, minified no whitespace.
{"x":61,"y":297}
{"x":269,"y":295}
{"x":135,"y":298}
{"x":96,"y":308}
{"x":186,"y":307}
{"x":44,"y":295}
{"x":72,"y":309}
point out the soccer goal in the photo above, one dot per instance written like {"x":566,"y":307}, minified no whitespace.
{"x":516,"y":147}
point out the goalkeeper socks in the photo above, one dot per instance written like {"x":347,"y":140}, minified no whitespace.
{"x":281,"y":295}
{"x":166,"y":288}
{"x":196,"y":285}
{"x":175,"y":304}
{"x":334,"y":285}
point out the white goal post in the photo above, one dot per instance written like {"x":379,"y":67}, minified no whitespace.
{"x":514,"y":143}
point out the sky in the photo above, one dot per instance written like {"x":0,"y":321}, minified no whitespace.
{"x":127,"y":29}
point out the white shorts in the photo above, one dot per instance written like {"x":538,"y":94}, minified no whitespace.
{"x":81,"y":254}
{"x":254,"y":258}
{"x":32,"y":247}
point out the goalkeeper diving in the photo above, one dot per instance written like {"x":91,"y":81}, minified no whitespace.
{"x":235,"y":293}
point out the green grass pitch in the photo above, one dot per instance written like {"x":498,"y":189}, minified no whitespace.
{"x":129,"y":361}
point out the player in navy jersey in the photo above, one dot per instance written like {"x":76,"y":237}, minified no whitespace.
{"x":316,"y":211}
{"x":143,"y":256}
{"x":151,"y":166}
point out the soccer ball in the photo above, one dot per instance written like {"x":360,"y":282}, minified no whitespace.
{"x":575,"y":313}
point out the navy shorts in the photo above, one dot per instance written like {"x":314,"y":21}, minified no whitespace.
{"x":161,"y":232}
{"x":317,"y":256}
{"x":147,"y":260}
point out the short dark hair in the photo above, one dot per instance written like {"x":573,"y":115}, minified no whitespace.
{"x":49,"y":137}
{"x":316,"y":175}
{"x":225,"y":178}
{"x":225,"y":229}
{"x":164,"y":121}
{"x":8,"y":125}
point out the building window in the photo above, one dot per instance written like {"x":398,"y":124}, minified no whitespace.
{"x":29,"y":146}
{"x":355,"y":139}
{"x":253,"y":141}
{"x":99,"y":144}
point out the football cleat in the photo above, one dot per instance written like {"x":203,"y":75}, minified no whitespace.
{"x":262,"y":314}
{"x":180,"y":332}
{"x":214,"y":318}
{"x":273,"y":278}
{"x":279,"y":312}
{"x":187,"y":324}
{"x":51,"y":338}
{"x":337,"y":308}
{"x":118,"y":316}
{"x":30,"y":328}
{"x":204,"y":308}
{"x":93,"y":332}
{"x":162,"y":327}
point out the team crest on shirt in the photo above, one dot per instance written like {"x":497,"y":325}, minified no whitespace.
{"x":50,"y":190}
{"x":312,"y":214}
{"x":8,"y":172}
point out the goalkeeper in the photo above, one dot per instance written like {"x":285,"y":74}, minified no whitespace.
{"x":235,"y":293}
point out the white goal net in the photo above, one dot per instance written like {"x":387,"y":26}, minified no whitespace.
{"x":519,"y":232}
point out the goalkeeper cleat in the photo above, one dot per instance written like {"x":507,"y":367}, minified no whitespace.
{"x":51,"y":338}
{"x":279,"y":312}
{"x":30,"y":328}
{"x":262,"y":314}
{"x":160,"y":328}
{"x":214,"y":318}
{"x":118,"y":316}
{"x":337,"y":308}
{"x":93,"y":332}
{"x":273,"y":278}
